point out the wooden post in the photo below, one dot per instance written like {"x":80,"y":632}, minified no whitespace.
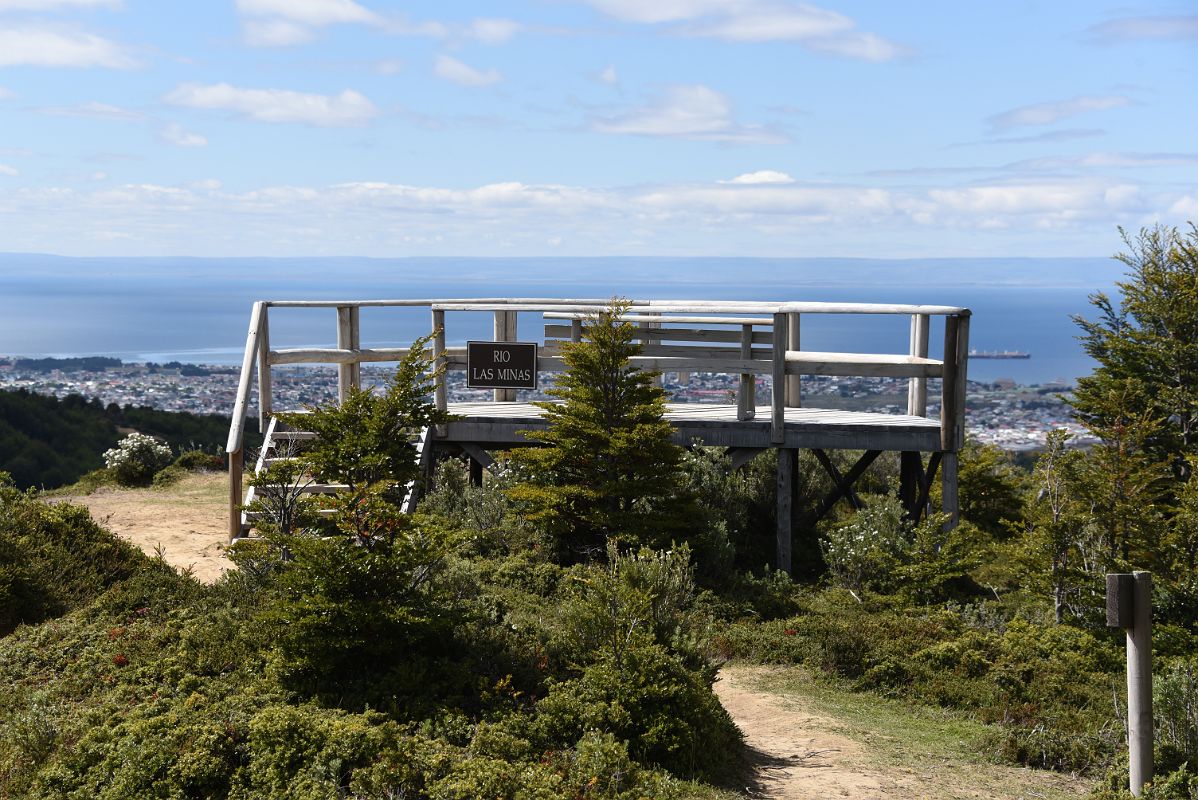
{"x":440,"y":391}
{"x":794,"y":383}
{"x":1139,"y":685}
{"x":265,"y":392}
{"x":746,"y":399}
{"x":576,"y":330}
{"x":910,"y":467}
{"x":236,"y":462}
{"x":778,"y":390}
{"x":917,"y":389}
{"x":951,"y":418}
{"x":659,"y":380}
{"x":787,"y":462}
{"x":505,"y":331}
{"x":345,"y":336}
{"x":355,"y":343}
{"x":476,"y":473}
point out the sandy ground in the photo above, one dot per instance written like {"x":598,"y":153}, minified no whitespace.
{"x":798,"y":753}
{"x":189,"y":520}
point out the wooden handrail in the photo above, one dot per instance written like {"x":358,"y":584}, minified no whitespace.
{"x":244,"y":383}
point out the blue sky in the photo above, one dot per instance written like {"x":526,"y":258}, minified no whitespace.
{"x":594,"y":127}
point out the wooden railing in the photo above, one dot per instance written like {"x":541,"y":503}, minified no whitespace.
{"x":684,"y":336}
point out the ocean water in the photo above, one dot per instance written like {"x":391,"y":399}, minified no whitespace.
{"x":197,"y":310}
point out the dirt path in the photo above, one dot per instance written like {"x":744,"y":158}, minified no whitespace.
{"x":799,"y":752}
{"x":189,"y":520}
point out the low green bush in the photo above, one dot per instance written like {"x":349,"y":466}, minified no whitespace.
{"x":54,"y":557}
{"x":136,"y":458}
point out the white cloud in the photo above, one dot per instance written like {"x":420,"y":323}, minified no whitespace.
{"x":389,"y":66}
{"x":282,"y":23}
{"x":454,"y":71}
{"x":766,"y":21}
{"x":47,"y":5}
{"x":1185,"y":207}
{"x":376,"y":217}
{"x":347,"y":109}
{"x":761,"y":176}
{"x":758,"y":21}
{"x":609,"y":75}
{"x":1139,"y":28}
{"x":275,"y":33}
{"x":175,"y":134}
{"x":687,"y":112}
{"x":1108,"y":160}
{"x":863,"y":46}
{"x":309,"y":12}
{"x":659,"y":10}
{"x":493,"y":31}
{"x":50,"y":47}
{"x":11,"y":172}
{"x":6,"y":93}
{"x":94,"y":110}
{"x":1048,"y":113}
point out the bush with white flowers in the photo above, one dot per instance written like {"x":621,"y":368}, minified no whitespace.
{"x":136,"y":458}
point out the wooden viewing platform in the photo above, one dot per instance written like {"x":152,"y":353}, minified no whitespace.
{"x":747,"y":339}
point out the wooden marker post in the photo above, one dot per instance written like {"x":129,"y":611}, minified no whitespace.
{"x":1129,"y":606}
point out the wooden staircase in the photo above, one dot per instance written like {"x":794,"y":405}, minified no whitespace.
{"x":281,"y":443}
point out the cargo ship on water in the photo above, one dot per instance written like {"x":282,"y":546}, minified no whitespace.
{"x":998,"y":354}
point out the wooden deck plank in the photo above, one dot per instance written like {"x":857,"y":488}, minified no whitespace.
{"x":717,"y":425}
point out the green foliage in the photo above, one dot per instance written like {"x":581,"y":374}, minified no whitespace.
{"x":54,"y":558}
{"x":136,"y":458}
{"x":1175,"y":714}
{"x":197,"y":460}
{"x":47,"y":442}
{"x":632,"y":600}
{"x":366,"y":443}
{"x":349,"y":620}
{"x":991,"y":488}
{"x":1047,"y":688}
{"x":611,"y":470}
{"x":879,"y":550}
{"x":1148,"y":344}
{"x":366,"y":439}
{"x":666,"y":712}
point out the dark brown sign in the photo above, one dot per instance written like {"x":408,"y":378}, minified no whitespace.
{"x":501,"y":365}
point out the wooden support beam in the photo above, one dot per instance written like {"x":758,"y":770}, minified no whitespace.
{"x":950,"y":412}
{"x":505,"y":331}
{"x":739,"y":456}
{"x":477,"y":454}
{"x":837,"y":478}
{"x":845,"y":486}
{"x":345,"y":335}
{"x":476,"y":473}
{"x":910,"y":482}
{"x":440,"y":392}
{"x":794,"y":383}
{"x":917,"y":388}
{"x":746,"y":397}
{"x":778,"y":390}
{"x":236,"y":464}
{"x":949,"y":501}
{"x":787,"y":463}
{"x":265,"y":391}
{"x":925,"y":490}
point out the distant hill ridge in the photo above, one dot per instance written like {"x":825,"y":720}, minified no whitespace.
{"x":46,"y":442}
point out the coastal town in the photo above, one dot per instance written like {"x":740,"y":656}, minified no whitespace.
{"x":1001,"y":413}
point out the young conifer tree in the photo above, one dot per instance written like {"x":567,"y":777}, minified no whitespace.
{"x":611,"y":471}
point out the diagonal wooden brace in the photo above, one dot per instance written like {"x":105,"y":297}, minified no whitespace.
{"x":844,"y":485}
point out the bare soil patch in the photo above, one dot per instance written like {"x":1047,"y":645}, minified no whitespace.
{"x":799,"y":750}
{"x":189,"y":520}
